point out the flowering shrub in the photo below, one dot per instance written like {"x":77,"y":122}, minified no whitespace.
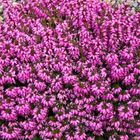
{"x":69,"y":70}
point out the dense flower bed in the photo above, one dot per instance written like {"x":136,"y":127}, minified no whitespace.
{"x":69,"y":70}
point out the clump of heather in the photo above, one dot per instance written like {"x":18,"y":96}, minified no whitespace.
{"x":69,"y":70}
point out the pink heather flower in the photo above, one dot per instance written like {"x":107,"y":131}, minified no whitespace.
{"x":23,"y":76}
{"x":104,"y":108}
{"x":109,"y":97}
{"x":116,"y":125}
{"x":116,"y":90}
{"x":9,"y":114}
{"x":23,"y":109}
{"x":10,"y":133}
{"x":125,"y":137}
{"x":129,"y":80}
{"x":30,"y":125}
{"x":125,"y":113}
{"x":112,"y":58}
{"x":6,"y":79}
{"x":39,"y":114}
{"x":124,"y":97}
{"x":94,"y":78}
{"x":11,"y":93}
{"x":69,"y":70}
{"x":40,"y":85}
{"x":80,"y":136}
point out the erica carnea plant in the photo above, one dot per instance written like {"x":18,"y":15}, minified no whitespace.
{"x":69,"y":70}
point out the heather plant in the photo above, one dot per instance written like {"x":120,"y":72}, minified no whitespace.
{"x":69,"y":70}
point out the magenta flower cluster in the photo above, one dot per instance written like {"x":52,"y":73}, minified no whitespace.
{"x":69,"y":70}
